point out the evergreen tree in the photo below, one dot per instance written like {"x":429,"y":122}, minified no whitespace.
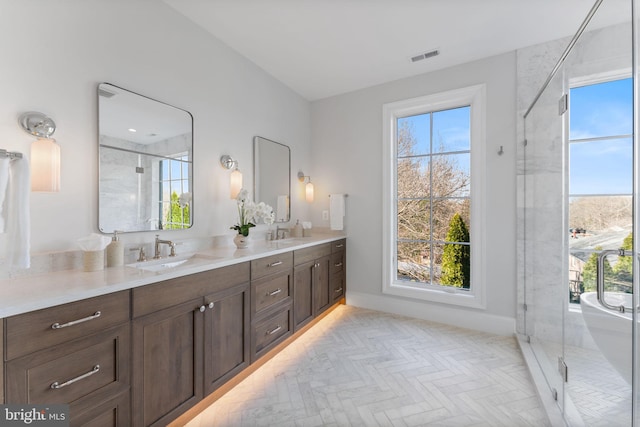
{"x":624,"y":267}
{"x":456,"y":258}
{"x":590,"y":271}
{"x":177,"y":217}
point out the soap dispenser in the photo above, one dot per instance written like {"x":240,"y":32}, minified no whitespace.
{"x":115,"y":252}
{"x":297,"y":229}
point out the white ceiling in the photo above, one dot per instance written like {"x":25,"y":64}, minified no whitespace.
{"x":321,"y":48}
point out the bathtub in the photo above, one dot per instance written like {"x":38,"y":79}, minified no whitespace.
{"x":611,"y":330}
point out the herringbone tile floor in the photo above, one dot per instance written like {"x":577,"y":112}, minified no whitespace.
{"x":360,"y":367}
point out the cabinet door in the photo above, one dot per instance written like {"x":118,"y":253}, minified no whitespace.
{"x":323,"y":292}
{"x":167,"y":363}
{"x":303,"y":310}
{"x":226,"y":335}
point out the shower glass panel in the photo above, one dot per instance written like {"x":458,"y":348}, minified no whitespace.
{"x":544,"y":180}
{"x":578,"y":224}
{"x":599,"y":213}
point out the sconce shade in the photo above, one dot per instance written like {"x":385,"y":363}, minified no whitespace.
{"x":235,"y":183}
{"x":309,"y":192}
{"x":45,"y":165}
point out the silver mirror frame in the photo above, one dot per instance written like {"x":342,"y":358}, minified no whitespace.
{"x":188,"y":116}
{"x":256,"y":184}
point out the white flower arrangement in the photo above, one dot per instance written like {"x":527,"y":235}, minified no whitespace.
{"x":250,"y":212}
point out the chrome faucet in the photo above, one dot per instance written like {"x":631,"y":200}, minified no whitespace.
{"x":283,"y":230}
{"x":163,"y":242}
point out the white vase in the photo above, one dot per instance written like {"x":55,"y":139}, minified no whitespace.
{"x":241,"y":241}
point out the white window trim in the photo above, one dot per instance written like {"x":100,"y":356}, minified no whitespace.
{"x":475,"y":97}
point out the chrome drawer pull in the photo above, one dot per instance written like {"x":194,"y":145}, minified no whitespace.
{"x":274,"y":331}
{"x":341,"y":245}
{"x":56,"y":385}
{"x":338,"y":290}
{"x":75,"y":322}
{"x":339,"y":264}
{"x":272,"y":293}
{"x":273,"y":264}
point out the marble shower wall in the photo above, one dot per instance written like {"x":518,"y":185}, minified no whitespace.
{"x":542,"y":257}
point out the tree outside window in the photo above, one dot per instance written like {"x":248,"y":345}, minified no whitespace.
{"x":433,"y":198}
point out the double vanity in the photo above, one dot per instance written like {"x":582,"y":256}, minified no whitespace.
{"x":142,"y":344}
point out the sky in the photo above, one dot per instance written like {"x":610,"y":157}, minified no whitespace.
{"x":596,"y":167}
{"x":601,"y":167}
{"x":451,"y":133}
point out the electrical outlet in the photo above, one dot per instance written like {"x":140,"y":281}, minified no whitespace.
{"x":325,"y":215}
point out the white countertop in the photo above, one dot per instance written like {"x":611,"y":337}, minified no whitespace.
{"x":24,"y":294}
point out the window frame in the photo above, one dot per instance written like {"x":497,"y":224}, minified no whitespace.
{"x":473,"y":96}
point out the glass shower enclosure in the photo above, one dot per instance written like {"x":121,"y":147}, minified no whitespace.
{"x":577,"y":219}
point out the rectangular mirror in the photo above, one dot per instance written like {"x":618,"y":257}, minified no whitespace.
{"x":145,"y":163}
{"x":271,"y":176}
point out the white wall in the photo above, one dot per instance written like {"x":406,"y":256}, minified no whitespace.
{"x":346,"y":140}
{"x":55,"y":53}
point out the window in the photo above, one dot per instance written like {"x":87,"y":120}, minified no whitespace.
{"x":600,"y":182}
{"x":432,"y":197}
{"x":174,"y":182}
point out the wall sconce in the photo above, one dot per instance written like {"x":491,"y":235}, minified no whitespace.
{"x":45,"y":152}
{"x":235,"y":180}
{"x":308,"y":188}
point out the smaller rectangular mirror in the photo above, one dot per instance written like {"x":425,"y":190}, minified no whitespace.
{"x":271,"y":176}
{"x":145,"y":163}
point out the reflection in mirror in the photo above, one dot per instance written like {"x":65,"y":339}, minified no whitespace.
{"x":271,"y":176}
{"x":145,"y":163}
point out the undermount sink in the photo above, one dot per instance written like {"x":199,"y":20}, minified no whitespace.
{"x":171,"y":263}
{"x":282,"y":243}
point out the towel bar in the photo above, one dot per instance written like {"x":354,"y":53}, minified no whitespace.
{"x":10,"y":154}
{"x":346,"y":195}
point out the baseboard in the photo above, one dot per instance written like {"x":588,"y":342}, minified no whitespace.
{"x":464,"y":318}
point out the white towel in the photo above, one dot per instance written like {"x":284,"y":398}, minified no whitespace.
{"x":282,"y":209}
{"x":18,"y":216}
{"x":336,"y":211}
{"x":4,"y":180}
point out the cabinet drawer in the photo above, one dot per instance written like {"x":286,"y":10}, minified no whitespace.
{"x":29,"y":332}
{"x":269,"y":291}
{"x":337,"y":282}
{"x":339,"y":245}
{"x":114,"y":412}
{"x":272,"y":264}
{"x":309,"y":254}
{"x":337,"y":263}
{"x":272,"y":329}
{"x":71,"y":372}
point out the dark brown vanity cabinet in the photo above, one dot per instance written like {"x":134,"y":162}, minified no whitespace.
{"x":190,"y":335}
{"x":271,"y":302}
{"x":76,"y":353}
{"x":144,"y":356}
{"x":311,"y":283}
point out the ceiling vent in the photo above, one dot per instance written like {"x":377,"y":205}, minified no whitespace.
{"x":430,"y":54}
